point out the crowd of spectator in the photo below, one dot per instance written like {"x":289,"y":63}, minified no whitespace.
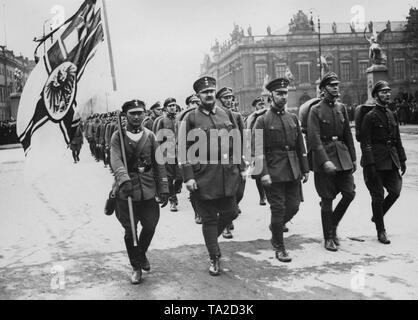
{"x":406,"y":110}
{"x":8,"y":132}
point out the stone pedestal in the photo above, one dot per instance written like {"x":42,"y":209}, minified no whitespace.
{"x":374,"y":74}
{"x":14,"y":104}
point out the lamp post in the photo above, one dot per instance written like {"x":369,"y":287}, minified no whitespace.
{"x":3,"y":50}
{"x":319,"y":38}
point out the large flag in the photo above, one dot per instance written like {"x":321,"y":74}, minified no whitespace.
{"x":52,"y":92}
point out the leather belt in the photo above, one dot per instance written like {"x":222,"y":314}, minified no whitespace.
{"x":282,"y":148}
{"x":327,"y":140}
{"x":140,"y":169}
{"x":388,"y":143}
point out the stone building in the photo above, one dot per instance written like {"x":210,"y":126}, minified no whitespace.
{"x":246,"y":61}
{"x":14,"y":71}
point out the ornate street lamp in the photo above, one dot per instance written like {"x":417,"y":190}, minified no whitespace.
{"x":319,"y":38}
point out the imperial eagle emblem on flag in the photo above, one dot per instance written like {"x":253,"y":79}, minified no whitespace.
{"x":64,"y":63}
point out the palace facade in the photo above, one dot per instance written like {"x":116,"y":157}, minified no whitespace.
{"x":246,"y":62}
{"x":10,"y":80}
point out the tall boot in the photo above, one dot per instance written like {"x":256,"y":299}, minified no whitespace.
{"x":214,"y":266}
{"x":341,"y":208}
{"x":278,"y":242}
{"x":378,"y":214}
{"x":329,"y":242}
{"x":335,"y":236}
{"x":377,"y":209}
{"x":326,"y":217}
{"x":388,"y":202}
{"x":261,"y":192}
{"x":276,"y":236}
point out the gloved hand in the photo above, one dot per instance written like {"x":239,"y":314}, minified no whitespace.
{"x":244,"y":175}
{"x":266,"y":180}
{"x":403,"y":168}
{"x":163,"y":199}
{"x":126,"y":189}
{"x":329,"y":167}
{"x":370,"y":171}
{"x":191,"y":185}
{"x":305,"y":177}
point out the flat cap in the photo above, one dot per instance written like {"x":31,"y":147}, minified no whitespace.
{"x":135,"y":105}
{"x":329,"y":78}
{"x":204,"y":83}
{"x":192,"y":98}
{"x":224,"y":92}
{"x":156,"y":105}
{"x":379,"y":86}
{"x":257,"y":100}
{"x":168,"y":101}
{"x":278,"y":84}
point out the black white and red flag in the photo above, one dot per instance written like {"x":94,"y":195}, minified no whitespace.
{"x":52,"y":94}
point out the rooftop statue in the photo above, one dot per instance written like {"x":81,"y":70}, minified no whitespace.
{"x":376,"y":54}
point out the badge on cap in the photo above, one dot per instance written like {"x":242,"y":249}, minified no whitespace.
{"x":204,"y":83}
{"x":278,"y":84}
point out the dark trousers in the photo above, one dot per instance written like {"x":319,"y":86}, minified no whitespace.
{"x":192,"y":199}
{"x":239,"y":195}
{"x":328,"y":186}
{"x":146,"y":212}
{"x":76,"y":155}
{"x":103,"y":153}
{"x":260,"y":189}
{"x":91,"y":145}
{"x":106,"y":155}
{"x":96,"y":152}
{"x":240,"y":191}
{"x":284,"y":199}
{"x":172,"y":190}
{"x":390,"y":180}
{"x":174,"y":181}
{"x":216,"y":215}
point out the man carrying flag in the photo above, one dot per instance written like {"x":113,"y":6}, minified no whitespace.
{"x":137,"y":175}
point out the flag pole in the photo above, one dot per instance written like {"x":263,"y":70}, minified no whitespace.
{"x":109,"y":46}
{"x":130,"y":207}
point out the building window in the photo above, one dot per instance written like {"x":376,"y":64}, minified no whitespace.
{"x":399,"y":69}
{"x":280,"y":70}
{"x":414,"y":70}
{"x":260,"y":74}
{"x":304,"y":72}
{"x":345,"y":71}
{"x":362,"y":69}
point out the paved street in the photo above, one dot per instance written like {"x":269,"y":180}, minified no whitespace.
{"x":54,"y":222}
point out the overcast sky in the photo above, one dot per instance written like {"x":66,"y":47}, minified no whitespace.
{"x":159,"y":44}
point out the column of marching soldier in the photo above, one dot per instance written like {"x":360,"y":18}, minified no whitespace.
{"x":217,"y":188}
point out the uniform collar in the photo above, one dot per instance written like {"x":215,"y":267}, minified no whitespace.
{"x":134,"y":136}
{"x":278,"y":111}
{"x":171,"y":115}
{"x":132,"y":130}
{"x":330,"y":102}
{"x":205,"y":111}
{"x":382,"y":107}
